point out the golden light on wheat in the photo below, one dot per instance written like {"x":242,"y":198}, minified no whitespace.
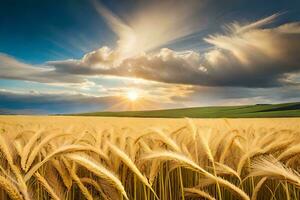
{"x":180,"y":159}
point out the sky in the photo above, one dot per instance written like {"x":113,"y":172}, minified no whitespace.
{"x":72,"y":56}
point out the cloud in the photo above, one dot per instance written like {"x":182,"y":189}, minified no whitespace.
{"x":13,"y":69}
{"x":245,"y":55}
{"x":253,"y":56}
{"x":10,"y":68}
{"x":220,"y":96}
{"x":53,"y":103}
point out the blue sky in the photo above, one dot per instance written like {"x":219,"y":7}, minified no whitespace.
{"x":78,"y":55}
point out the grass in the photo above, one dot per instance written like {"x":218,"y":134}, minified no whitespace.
{"x":191,"y":161}
{"x":248,"y":111}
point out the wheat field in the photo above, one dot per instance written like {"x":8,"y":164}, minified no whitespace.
{"x":129,"y":158}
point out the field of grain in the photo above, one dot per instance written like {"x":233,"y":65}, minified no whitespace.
{"x":134,"y":158}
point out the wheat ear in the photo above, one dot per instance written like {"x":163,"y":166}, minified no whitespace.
{"x":199,"y":193}
{"x":10,"y":189}
{"x":99,"y":170}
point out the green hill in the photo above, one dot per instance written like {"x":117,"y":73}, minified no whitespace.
{"x":248,"y":111}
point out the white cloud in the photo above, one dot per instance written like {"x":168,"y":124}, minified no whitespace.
{"x":10,"y":68}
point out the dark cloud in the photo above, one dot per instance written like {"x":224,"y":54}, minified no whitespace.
{"x":53,"y":103}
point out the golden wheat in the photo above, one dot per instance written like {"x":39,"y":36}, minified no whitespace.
{"x":149,"y":159}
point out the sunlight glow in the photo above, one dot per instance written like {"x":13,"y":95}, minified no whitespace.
{"x":132,"y":95}
{"x":141,"y":32}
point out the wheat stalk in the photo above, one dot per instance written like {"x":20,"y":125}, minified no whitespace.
{"x":45,"y":183}
{"x":258,"y":187}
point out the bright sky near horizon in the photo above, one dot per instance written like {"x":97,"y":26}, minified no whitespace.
{"x":68,"y":56}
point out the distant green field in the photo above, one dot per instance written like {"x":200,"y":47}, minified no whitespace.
{"x":248,"y":111}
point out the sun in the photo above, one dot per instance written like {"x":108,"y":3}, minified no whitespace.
{"x":132,"y":95}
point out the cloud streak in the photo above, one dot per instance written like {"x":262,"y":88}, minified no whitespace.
{"x":152,"y":25}
{"x":10,"y":68}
